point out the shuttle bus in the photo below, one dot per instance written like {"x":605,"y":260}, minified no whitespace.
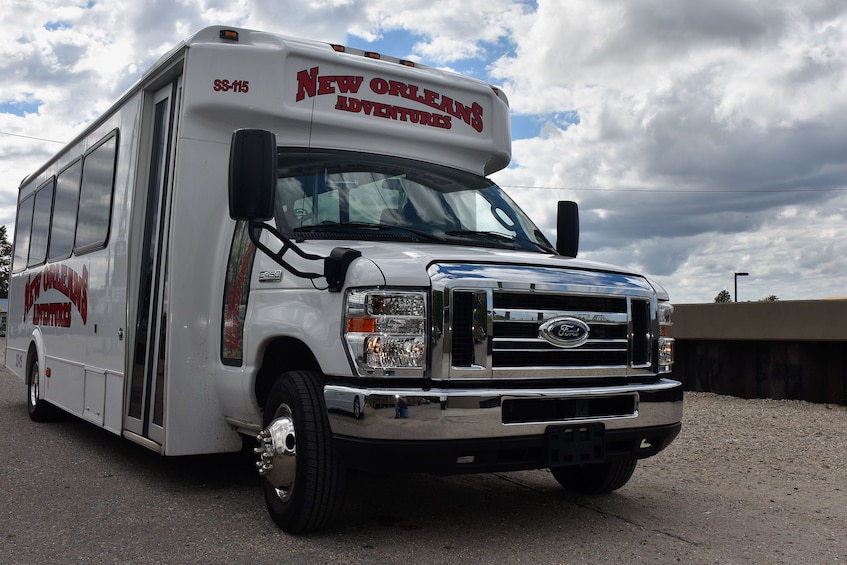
{"x":296,"y":243}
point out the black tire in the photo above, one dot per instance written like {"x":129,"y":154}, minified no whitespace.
{"x":595,"y":478}
{"x":311,"y":497}
{"x":39,"y":409}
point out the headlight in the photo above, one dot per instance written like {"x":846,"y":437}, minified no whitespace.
{"x":664,"y":313}
{"x":385,"y":332}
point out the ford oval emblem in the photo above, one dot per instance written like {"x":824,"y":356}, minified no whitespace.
{"x":564,"y":332}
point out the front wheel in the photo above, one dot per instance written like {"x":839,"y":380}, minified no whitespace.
{"x":303,"y":478}
{"x":39,"y":409}
{"x":595,"y":478}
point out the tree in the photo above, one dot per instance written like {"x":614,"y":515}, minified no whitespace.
{"x":5,"y":262}
{"x":770,"y":298}
{"x":723,"y":296}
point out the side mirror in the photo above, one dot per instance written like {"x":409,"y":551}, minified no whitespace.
{"x":567,"y":228}
{"x":252,"y":174}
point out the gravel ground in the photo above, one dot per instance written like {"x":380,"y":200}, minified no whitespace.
{"x":768,"y":478}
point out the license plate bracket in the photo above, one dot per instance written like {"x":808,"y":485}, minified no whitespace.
{"x":575,"y":444}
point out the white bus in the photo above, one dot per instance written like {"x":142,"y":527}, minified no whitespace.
{"x":286,"y":240}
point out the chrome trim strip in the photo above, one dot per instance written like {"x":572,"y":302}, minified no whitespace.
{"x":555,"y":351}
{"x":599,"y":318}
{"x":141,"y":440}
{"x":452,"y":414}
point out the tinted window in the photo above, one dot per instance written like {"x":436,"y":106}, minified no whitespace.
{"x":41,"y":223}
{"x":22,"y":230}
{"x":64,"y":212}
{"x":95,"y":197}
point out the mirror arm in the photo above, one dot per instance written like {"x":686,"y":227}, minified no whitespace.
{"x":335,"y":266}
{"x":255,"y":231}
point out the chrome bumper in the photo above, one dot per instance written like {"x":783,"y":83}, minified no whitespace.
{"x":459,"y":414}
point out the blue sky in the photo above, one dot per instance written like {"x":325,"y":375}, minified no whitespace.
{"x":699,"y":138}
{"x":19,"y":108}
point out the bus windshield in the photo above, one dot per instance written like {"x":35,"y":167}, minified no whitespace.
{"x":346,"y":195}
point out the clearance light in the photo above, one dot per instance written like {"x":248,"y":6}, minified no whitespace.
{"x":385,"y":332}
{"x":371,"y":55}
{"x":229,"y":34}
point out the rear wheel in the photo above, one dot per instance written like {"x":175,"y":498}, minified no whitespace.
{"x":39,"y":409}
{"x":595,"y":478}
{"x":303,"y":478}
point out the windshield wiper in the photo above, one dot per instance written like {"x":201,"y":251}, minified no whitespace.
{"x":496,"y":237}
{"x":330,"y":226}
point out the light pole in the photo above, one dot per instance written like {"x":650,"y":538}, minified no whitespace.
{"x":735,"y":296}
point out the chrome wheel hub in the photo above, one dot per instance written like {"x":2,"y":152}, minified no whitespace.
{"x":33,"y":388}
{"x":277,"y":452}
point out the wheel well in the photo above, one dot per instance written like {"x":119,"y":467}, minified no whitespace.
{"x":282,"y":354}
{"x":31,"y":358}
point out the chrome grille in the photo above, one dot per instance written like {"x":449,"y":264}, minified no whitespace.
{"x":487,"y":327}
{"x":517,"y":317}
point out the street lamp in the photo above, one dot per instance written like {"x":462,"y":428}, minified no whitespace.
{"x":736,"y":284}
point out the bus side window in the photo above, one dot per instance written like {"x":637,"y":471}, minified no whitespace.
{"x":22,"y":233}
{"x":64,"y":212}
{"x":95,"y":197}
{"x":41,"y":223}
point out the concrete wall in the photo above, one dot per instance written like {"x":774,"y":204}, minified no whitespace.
{"x":795,"y":350}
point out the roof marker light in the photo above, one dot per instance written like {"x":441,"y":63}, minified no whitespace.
{"x":372,"y":55}
{"x":338,"y":48}
{"x":229,"y":34}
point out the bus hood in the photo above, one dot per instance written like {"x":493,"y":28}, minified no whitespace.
{"x":409,"y":265}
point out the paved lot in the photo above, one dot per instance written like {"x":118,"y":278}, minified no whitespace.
{"x":746,"y":482}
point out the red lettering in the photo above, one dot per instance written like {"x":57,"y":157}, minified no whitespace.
{"x":83,"y":296}
{"x":388,"y":111}
{"x":347,"y":84}
{"x":379,"y":85}
{"x":55,"y":314}
{"x":310,"y":84}
{"x":67,"y":282}
{"x":31,"y":292}
{"x":325,"y":85}
{"x":412,"y":94}
{"x":476,"y":117}
{"x":307,"y":83}
{"x":431,"y":98}
{"x":397,"y":88}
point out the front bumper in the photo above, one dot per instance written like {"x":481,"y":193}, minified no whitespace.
{"x":467,"y":431}
{"x":461,"y":414}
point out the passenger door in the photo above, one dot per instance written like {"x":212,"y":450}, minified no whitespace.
{"x":145,"y":402}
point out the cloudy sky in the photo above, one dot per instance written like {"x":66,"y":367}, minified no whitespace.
{"x":700,"y":138}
